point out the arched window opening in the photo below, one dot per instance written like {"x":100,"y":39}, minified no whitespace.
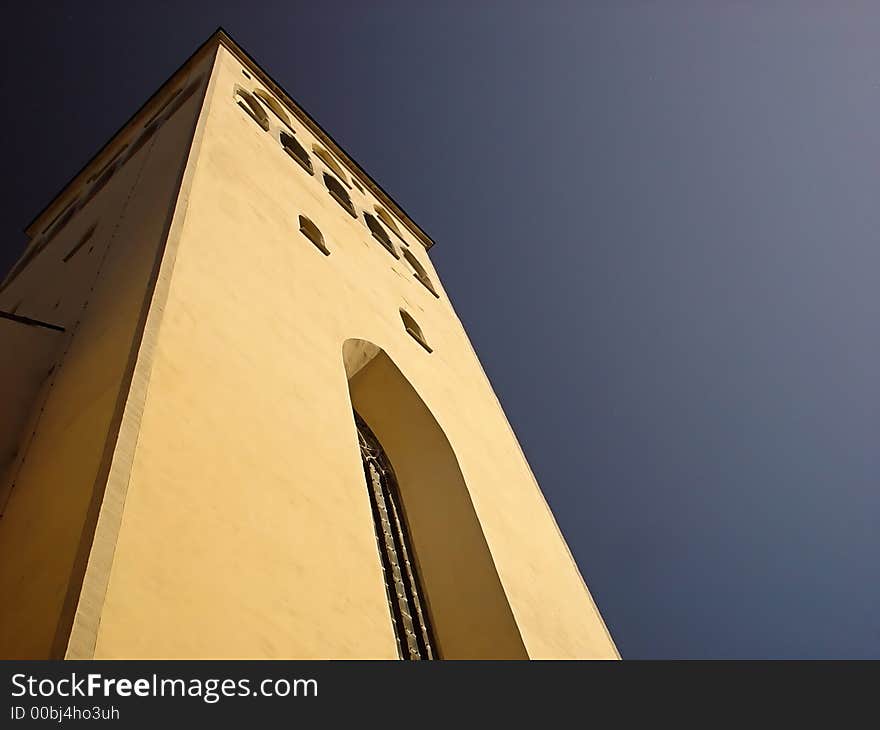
{"x":328,"y":160}
{"x":386,"y":218}
{"x":255,"y":111}
{"x":419,"y":272}
{"x":296,"y":151}
{"x":412,"y":327}
{"x":313,"y":233}
{"x":463,"y":604}
{"x":380,"y":235}
{"x":273,"y":104}
{"x":403,"y":585}
{"x":335,"y":188}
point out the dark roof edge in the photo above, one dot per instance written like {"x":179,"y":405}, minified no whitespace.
{"x":221,"y":37}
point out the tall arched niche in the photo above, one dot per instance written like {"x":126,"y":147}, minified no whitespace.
{"x":469,"y":610}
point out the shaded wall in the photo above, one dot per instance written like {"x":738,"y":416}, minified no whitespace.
{"x":53,"y":483}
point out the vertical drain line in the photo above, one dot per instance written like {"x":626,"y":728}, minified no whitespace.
{"x":57,"y":365}
{"x":412,"y":628}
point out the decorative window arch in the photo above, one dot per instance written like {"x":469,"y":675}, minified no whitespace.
{"x":379,"y":234}
{"x":386,"y":218}
{"x":458,"y":588}
{"x":341,"y":195}
{"x":413,"y":329}
{"x":273,"y":104}
{"x":328,"y":160}
{"x":296,"y":151}
{"x":254,"y":109}
{"x":313,"y":233}
{"x":419,"y":272}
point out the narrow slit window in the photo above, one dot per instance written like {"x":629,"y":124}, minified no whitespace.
{"x":313,"y":233}
{"x":108,"y":163}
{"x":412,"y":327}
{"x":162,"y":108}
{"x":175,"y":101}
{"x":64,"y":210}
{"x":144,"y":137}
{"x":79,"y":244}
{"x":296,"y":151}
{"x":335,"y":188}
{"x":254,"y":109}
{"x":168,"y":110}
{"x":70,"y":212}
{"x":101,"y":181}
{"x":380,"y":235}
{"x":420,"y":273}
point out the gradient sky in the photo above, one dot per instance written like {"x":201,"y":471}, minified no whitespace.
{"x":657,"y":221}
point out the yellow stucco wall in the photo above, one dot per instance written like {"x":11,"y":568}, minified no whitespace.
{"x":235,"y":521}
{"x":246,"y":530}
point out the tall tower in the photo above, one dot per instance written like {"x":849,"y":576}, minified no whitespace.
{"x":241,"y":418}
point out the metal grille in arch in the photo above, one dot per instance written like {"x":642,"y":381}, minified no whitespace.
{"x":409,"y":615}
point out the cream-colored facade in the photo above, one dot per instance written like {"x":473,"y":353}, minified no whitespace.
{"x":179,"y":464}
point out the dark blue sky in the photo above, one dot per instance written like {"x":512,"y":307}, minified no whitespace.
{"x":659,"y":224}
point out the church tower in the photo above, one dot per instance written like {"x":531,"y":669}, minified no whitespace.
{"x":241,"y":419}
